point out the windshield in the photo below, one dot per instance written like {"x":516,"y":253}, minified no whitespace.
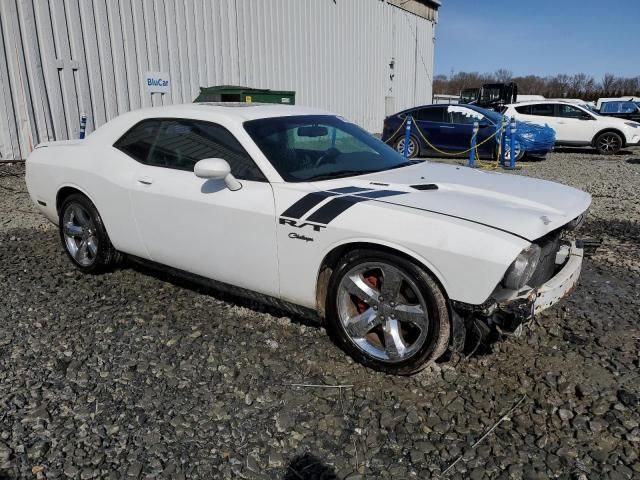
{"x":320,"y":147}
{"x":586,"y":106}
{"x":469,"y":95}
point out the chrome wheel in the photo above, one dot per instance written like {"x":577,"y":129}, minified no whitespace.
{"x":382,"y":311}
{"x":79,"y":233}
{"x":412,"y":147}
{"x":609,"y":143}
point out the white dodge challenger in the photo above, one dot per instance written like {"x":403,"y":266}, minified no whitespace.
{"x":303,"y":209}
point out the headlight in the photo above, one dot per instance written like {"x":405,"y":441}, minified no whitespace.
{"x":632,"y":124}
{"x":521,"y":270}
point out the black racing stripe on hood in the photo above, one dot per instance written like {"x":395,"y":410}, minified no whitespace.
{"x":335,"y":207}
{"x":306,"y":203}
{"x":349,"y":189}
{"x":380,"y":194}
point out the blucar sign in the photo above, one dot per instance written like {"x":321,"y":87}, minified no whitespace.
{"x":157,"y":82}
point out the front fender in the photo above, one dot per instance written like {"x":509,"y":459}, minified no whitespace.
{"x":467,"y":258}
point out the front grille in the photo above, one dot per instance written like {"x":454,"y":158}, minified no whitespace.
{"x":549,"y":245}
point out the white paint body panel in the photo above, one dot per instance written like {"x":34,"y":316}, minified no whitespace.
{"x":467,"y":232}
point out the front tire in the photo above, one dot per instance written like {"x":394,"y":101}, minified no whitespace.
{"x":386,"y":312}
{"x":84,"y":236}
{"x":608,"y":143}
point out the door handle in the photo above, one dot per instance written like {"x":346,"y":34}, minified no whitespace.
{"x":145,"y":180}
{"x":447,"y":126}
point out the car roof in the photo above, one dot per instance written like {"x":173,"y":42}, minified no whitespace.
{"x":235,"y":110}
{"x":538,"y":102}
{"x":431,"y":105}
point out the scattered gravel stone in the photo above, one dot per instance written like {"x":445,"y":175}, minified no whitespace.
{"x":135,"y":374}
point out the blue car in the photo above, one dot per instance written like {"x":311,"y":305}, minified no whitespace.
{"x":449,"y":128}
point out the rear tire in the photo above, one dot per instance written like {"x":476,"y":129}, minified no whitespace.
{"x":608,"y":143}
{"x":386,"y":312}
{"x":414,"y":146}
{"x":84,"y":236}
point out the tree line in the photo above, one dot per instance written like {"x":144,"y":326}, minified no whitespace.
{"x":579,"y":85}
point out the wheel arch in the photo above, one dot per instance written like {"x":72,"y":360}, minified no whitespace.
{"x":609,"y":130}
{"x":66,"y":191}
{"x":331,"y":259}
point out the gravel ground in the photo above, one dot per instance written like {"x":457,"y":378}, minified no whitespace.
{"x":135,"y":375}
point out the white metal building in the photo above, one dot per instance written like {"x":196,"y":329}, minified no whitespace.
{"x":63,"y":58}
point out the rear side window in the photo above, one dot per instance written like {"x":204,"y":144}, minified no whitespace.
{"x":434,"y":114}
{"x":524,"y":109}
{"x":463,"y":115}
{"x":138,"y":142}
{"x":180,"y":144}
{"x":542,"y":109}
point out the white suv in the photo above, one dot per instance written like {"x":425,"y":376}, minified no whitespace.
{"x":577,"y":125}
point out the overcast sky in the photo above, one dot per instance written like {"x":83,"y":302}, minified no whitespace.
{"x":541,"y":37}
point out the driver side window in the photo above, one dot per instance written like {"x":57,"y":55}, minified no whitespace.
{"x":180,"y":143}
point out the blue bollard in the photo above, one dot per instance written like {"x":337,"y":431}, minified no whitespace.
{"x":407,"y":135}
{"x":83,"y":126}
{"x":512,"y":142}
{"x":503,"y":138}
{"x":472,"y":152}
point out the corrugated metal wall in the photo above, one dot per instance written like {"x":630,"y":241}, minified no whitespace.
{"x":61,"y":58}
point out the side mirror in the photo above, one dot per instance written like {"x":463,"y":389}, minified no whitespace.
{"x":217,"y":169}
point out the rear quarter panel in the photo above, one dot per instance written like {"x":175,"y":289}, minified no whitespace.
{"x":101,"y":173}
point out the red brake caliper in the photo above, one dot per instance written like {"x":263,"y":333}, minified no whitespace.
{"x":373,"y":281}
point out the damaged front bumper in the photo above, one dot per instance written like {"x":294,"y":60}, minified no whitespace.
{"x":526,"y":304}
{"x":507,"y":310}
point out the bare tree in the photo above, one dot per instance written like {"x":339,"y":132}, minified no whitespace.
{"x":580,"y":85}
{"x":609,"y":83}
{"x":503,"y":76}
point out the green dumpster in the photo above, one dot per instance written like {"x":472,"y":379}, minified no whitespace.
{"x":231,"y":93}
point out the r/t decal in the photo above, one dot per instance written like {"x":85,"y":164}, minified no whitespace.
{"x":295,"y":223}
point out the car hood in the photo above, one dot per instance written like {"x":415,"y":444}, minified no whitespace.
{"x":526,"y":207}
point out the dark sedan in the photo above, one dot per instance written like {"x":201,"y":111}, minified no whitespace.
{"x":449,"y":128}
{"x":621,"y":109}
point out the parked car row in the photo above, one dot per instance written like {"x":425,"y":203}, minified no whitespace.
{"x":449,"y":128}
